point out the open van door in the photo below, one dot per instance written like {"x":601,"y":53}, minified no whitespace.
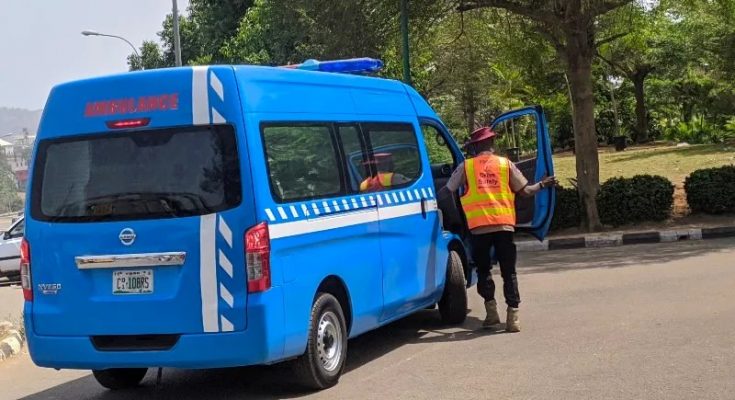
{"x":523,"y":137}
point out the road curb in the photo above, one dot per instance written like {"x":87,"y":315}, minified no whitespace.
{"x":10,"y":344}
{"x":11,"y":341}
{"x":623,"y":239}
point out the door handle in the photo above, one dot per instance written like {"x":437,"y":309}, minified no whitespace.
{"x":423,"y":208}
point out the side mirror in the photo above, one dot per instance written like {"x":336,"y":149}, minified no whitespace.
{"x":6,"y":235}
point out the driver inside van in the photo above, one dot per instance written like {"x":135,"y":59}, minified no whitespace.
{"x":384,"y":176}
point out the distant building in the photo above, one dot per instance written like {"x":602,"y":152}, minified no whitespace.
{"x":17,"y":153}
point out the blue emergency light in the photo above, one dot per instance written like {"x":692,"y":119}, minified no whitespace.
{"x":348,"y":66}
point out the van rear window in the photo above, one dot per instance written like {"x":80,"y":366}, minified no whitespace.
{"x":163,"y":173}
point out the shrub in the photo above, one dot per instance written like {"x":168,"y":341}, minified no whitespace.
{"x":567,"y":209}
{"x":711,"y":190}
{"x":629,"y":200}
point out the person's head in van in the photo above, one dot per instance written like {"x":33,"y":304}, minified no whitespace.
{"x":383,"y":175}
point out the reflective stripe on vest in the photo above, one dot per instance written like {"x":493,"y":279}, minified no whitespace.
{"x":376,"y":183}
{"x":488,"y":199}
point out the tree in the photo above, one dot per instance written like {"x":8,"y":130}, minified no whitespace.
{"x":635,"y":56}
{"x":204,"y":32}
{"x":570,"y":25}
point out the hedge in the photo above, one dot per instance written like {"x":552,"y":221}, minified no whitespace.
{"x":629,"y":200}
{"x":711,"y":190}
{"x":620,"y":201}
{"x":567,"y":209}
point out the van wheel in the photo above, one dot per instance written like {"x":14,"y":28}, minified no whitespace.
{"x":119,"y":378}
{"x":453,"y":304}
{"x":321,"y":365}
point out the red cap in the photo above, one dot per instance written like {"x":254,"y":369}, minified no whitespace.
{"x":481,"y":134}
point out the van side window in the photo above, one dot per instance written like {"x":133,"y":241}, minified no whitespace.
{"x":355,"y":155}
{"x":436,"y":146}
{"x":302,"y":161}
{"x":394,"y":156}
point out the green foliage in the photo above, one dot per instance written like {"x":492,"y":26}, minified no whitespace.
{"x":629,"y":200}
{"x":567,"y":211}
{"x":9,"y":199}
{"x":711,"y":190}
{"x":697,"y":131}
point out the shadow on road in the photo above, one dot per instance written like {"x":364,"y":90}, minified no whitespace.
{"x":276,"y":382}
{"x":616,"y":257}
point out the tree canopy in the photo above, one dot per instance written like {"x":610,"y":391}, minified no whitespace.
{"x":673,"y":61}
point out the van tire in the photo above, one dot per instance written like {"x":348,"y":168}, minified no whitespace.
{"x":453,"y":304}
{"x":312,"y":369}
{"x":119,"y":378}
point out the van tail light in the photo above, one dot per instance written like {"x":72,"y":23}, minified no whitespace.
{"x":257,"y":256}
{"x":25,"y":270}
{"x":128,"y":123}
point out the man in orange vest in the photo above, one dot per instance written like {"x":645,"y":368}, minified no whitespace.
{"x":490,"y":184}
{"x":385,"y":177}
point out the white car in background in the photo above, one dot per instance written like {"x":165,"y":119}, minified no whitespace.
{"x":10,"y":249}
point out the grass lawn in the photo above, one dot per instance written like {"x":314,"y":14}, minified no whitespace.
{"x":674,"y":163}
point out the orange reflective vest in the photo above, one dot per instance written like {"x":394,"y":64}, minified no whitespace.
{"x":488,"y":199}
{"x":377,"y":183}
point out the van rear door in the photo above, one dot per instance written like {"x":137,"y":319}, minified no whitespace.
{"x":137,"y":206}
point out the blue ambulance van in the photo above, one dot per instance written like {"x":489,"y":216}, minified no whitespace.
{"x":216,"y":216}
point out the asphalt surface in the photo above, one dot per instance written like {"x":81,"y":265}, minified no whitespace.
{"x":634,"y":322}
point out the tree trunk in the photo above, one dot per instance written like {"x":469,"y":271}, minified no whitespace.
{"x":641,"y":113}
{"x":579,"y":55}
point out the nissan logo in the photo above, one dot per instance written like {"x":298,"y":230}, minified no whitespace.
{"x":127,"y":236}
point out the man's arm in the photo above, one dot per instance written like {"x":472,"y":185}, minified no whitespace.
{"x":519,"y":183}
{"x":458,"y":179}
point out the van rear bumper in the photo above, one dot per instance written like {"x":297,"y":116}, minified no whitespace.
{"x":261,"y":343}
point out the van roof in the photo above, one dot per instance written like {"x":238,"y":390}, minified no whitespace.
{"x":85,"y":105}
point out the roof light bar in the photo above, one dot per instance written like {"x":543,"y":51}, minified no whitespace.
{"x":348,"y":66}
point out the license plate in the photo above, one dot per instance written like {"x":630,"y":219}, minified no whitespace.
{"x":132,"y":282}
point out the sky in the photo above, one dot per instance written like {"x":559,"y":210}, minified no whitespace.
{"x":41,"y":44}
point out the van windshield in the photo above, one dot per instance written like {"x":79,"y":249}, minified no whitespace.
{"x":161,"y":173}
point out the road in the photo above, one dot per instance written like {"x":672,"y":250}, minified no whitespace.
{"x":652,"y":321}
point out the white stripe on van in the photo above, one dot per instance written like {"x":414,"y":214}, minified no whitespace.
{"x":225,"y":263}
{"x":408,"y":193}
{"x":226,"y":324}
{"x":395,"y":198}
{"x":336,"y":207}
{"x":362,"y":200}
{"x":217,"y":118}
{"x":199,"y":97}
{"x":294,"y":228}
{"x":387,"y":198}
{"x":345,"y":205}
{"x":380,"y":201}
{"x":208,"y":272}
{"x":322,"y":224}
{"x":315,"y":208}
{"x":270,"y":215}
{"x":423,"y":192}
{"x":216,"y":85}
{"x":225,"y":231}
{"x":293,"y":212}
{"x":226,"y":295}
{"x":403,"y":198}
{"x":354,"y":203}
{"x":416,"y":192}
{"x":326,"y":207}
{"x":305,"y":210}
{"x":282,"y":213}
{"x":431,"y":192}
